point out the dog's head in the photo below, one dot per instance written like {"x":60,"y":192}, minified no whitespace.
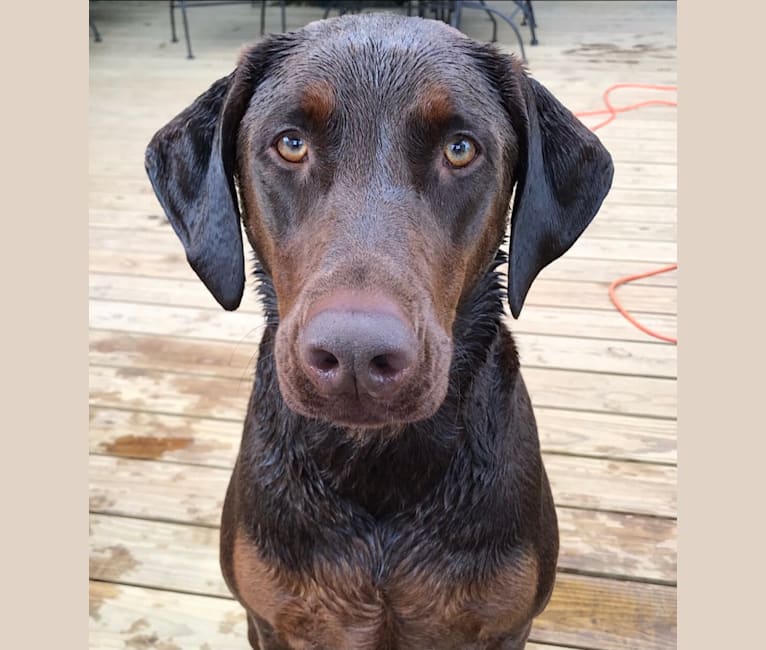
{"x":375,"y":158}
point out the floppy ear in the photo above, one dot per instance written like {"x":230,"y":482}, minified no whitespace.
{"x":191,"y":165}
{"x":562,"y":175}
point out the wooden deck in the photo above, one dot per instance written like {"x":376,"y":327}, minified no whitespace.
{"x":170,"y":372}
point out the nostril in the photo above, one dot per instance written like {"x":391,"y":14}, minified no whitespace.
{"x":388,"y":366}
{"x":380,"y":366}
{"x":330,"y":372}
{"x":323,"y":360}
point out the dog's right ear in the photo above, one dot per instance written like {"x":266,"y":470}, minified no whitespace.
{"x":191,"y":165}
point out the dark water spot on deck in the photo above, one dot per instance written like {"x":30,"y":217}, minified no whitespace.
{"x":146,"y":446}
{"x":629,"y":61}
{"x":604,"y":49}
{"x":114,"y":561}
{"x":230,"y":622}
{"x":168,"y":645}
{"x":140,"y":624}
{"x":141,"y":641}
{"x":100,"y":396}
{"x":130,"y":373}
{"x":212,"y":395}
{"x":99,"y":594}
{"x":101,"y":502}
{"x":161,"y":220}
{"x":616,"y":351}
{"x":172,"y":353}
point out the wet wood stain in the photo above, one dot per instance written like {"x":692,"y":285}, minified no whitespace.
{"x":146,"y":446}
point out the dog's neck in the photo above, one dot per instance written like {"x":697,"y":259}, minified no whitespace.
{"x":378,"y":473}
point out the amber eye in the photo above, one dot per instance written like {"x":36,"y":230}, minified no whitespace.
{"x":292,"y":147}
{"x":460,"y":151}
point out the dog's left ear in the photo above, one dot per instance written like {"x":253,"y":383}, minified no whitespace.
{"x":562,"y":175}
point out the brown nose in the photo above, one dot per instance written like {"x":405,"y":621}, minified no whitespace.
{"x":357,"y":352}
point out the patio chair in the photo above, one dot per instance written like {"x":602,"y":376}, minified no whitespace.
{"x":523,"y":6}
{"x":183,"y":5}
{"x":450,"y":11}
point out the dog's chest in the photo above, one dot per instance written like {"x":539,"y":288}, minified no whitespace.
{"x":341,"y":607}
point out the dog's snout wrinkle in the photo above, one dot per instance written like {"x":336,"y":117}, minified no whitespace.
{"x":350,"y":352}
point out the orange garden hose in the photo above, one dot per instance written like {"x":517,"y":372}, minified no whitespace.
{"x":612,"y":112}
{"x":624,"y":312}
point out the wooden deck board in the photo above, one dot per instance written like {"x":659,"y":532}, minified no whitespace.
{"x":578,"y":294}
{"x":173,"y":264}
{"x":193,"y":393}
{"x":178,"y":492}
{"x":241,"y":326}
{"x":149,"y":434}
{"x":171,"y":372}
{"x":535,"y":350}
{"x":594,"y":542}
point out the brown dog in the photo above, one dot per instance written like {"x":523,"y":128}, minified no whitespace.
{"x":389,"y":491}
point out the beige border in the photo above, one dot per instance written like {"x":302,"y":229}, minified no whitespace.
{"x":721,"y":360}
{"x":721,"y":228}
{"x":44,"y":259}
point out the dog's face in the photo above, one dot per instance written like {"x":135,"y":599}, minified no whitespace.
{"x":375,"y":188}
{"x":375,"y":158}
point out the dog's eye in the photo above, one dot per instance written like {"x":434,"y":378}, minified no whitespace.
{"x":292,"y":147}
{"x":460,"y":151}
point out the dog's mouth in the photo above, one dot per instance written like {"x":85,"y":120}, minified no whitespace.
{"x":361,"y":411}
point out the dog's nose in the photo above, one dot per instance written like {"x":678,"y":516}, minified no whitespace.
{"x":354,"y":352}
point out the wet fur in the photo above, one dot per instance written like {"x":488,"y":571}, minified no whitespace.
{"x":459,"y":497}
{"x":433,"y":528}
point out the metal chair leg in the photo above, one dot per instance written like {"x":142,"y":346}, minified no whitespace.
{"x":263,"y":16}
{"x":529,"y":12}
{"x":456,"y":9}
{"x":532,"y":22}
{"x":494,"y":23}
{"x":283,"y":10}
{"x":478,"y":4}
{"x":186,"y":29}
{"x":173,"y":35}
{"x":96,"y":35}
{"x":512,"y":25}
